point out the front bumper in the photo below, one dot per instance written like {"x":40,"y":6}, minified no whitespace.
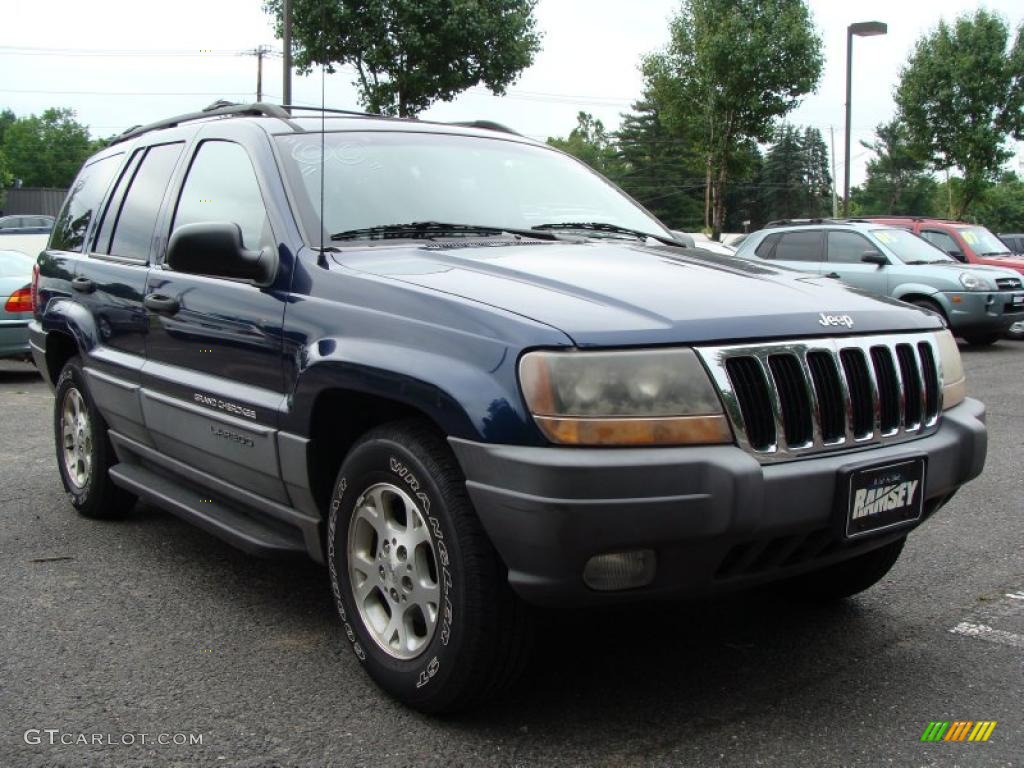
{"x":715,"y":517}
{"x":982,"y":312}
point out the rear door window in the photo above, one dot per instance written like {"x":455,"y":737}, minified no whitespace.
{"x":82,"y":203}
{"x":136,"y":220}
{"x":800,"y":246}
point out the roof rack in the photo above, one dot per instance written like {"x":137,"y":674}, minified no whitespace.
{"x":217,"y":109}
{"x":487,"y":125}
{"x":799,"y":222}
{"x":329,"y":111}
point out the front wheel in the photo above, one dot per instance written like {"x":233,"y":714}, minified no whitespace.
{"x":850,"y":576}
{"x":423,"y":597}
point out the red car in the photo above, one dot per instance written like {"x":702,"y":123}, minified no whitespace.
{"x":969,"y":243}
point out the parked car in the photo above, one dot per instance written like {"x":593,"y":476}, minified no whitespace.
{"x":476,"y":378}
{"x":981,"y":303}
{"x":1014,"y":242}
{"x":967,"y":243}
{"x":25,"y":225}
{"x":15,"y":293}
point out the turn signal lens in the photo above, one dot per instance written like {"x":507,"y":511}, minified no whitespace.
{"x":954,"y":382}
{"x":20,"y":301}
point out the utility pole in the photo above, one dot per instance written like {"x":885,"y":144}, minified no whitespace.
{"x":286,"y":84}
{"x":835,"y":196}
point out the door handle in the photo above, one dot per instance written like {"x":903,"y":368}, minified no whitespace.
{"x":162,"y":305}
{"x":834,"y":275}
{"x":83,"y":285}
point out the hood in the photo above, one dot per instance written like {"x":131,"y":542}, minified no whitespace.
{"x":615,"y":293}
{"x":1014,"y":262}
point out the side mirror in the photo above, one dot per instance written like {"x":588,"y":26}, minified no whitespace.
{"x":214,"y":248}
{"x":958,"y":255}
{"x":874,"y":257}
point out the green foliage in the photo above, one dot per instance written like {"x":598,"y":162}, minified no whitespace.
{"x":796,"y":180}
{"x":713,"y":76}
{"x":961,"y":94}
{"x":590,"y":142}
{"x":1001,"y":206}
{"x":409,"y":53}
{"x":45,"y":150}
{"x":898,"y":180}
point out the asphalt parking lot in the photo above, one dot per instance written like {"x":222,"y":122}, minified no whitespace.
{"x":149,"y":626}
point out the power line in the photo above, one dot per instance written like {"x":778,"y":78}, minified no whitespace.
{"x":124,"y":93}
{"x":15,"y":50}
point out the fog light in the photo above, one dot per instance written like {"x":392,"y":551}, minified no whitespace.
{"x":620,"y":570}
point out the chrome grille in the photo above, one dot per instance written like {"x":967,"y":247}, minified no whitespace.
{"x":1008,"y":283}
{"x":799,"y":398}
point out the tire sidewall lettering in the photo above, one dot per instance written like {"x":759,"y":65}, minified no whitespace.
{"x":431,"y":663}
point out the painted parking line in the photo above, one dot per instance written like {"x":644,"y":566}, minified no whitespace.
{"x":984,"y":624}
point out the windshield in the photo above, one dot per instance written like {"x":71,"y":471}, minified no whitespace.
{"x":908,"y":247}
{"x":983,"y":242}
{"x":377,"y":179}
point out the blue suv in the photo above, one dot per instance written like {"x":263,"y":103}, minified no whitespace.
{"x":470,"y":376}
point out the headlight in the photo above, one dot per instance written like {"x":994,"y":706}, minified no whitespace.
{"x":641,"y":397}
{"x":954,"y":383}
{"x":974,"y":282}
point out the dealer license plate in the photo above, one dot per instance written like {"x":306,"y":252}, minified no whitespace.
{"x":884,"y":496}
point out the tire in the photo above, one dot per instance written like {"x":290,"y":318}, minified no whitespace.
{"x":84,"y":463}
{"x":983,"y":339}
{"x":929,"y":304}
{"x":850,"y":576}
{"x":479,"y":642}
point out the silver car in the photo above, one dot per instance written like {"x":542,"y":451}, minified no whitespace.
{"x":15,"y":303}
{"x":979,"y":302}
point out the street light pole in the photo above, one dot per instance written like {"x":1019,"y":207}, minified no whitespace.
{"x":860,"y":29}
{"x":286,"y":39}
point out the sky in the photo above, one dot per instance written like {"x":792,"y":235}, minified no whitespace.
{"x":119,"y":63}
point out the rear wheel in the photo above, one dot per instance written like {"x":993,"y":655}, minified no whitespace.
{"x":422,"y":595}
{"x":84,"y":452}
{"x":850,"y":576}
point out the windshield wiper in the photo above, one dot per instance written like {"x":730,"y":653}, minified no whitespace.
{"x":930,"y":261}
{"x":995,"y":253}
{"x":600,"y":226}
{"x":428,"y":229}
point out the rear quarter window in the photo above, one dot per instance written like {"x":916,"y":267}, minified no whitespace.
{"x":82,"y":203}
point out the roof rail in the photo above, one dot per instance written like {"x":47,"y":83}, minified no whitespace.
{"x":487,"y":125}
{"x":217,"y":109}
{"x":798,"y":222}
{"x":326,"y":110}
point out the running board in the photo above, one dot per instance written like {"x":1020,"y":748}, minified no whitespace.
{"x":240,"y":530}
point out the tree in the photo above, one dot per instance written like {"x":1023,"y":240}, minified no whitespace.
{"x":714,"y":74}
{"x":590,"y":142}
{"x":48,"y":150}
{"x":797,"y":182}
{"x":898,"y":181}
{"x":961,"y":94}
{"x":1001,"y":206}
{"x":410,"y":53}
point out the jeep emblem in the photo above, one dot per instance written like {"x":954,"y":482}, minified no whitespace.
{"x":833,"y":320}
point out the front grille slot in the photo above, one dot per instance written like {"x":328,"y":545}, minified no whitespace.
{"x":751,"y":389}
{"x":793,"y":398}
{"x":931,"y":381}
{"x":911,"y":385}
{"x":888,"y":389}
{"x":1008,"y":283}
{"x":789,"y":399}
{"x":831,"y":410}
{"x":862,"y":402}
